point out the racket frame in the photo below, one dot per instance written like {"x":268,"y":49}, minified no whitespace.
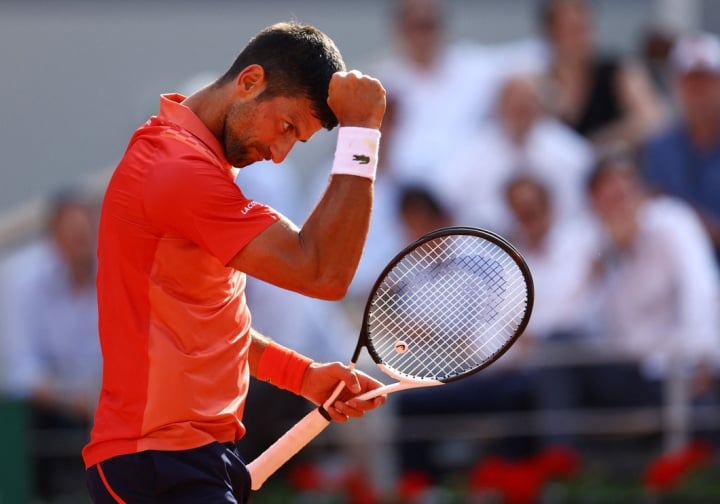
{"x":494,"y":238}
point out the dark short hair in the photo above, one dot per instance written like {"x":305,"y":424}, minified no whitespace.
{"x":298,"y":60}
{"x":615,"y":157}
{"x":420,"y":197}
{"x":546,"y":11}
{"x":541,"y":187}
{"x":63,"y":199}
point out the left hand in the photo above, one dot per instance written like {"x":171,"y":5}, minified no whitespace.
{"x":320,"y":381}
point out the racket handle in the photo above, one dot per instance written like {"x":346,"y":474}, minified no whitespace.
{"x":292,"y":441}
{"x":286,"y":447}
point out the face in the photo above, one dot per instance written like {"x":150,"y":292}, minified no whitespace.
{"x":519,"y":106}
{"x":419,"y":220}
{"x":421,"y":28}
{"x":530,"y":206}
{"x":569,"y":29}
{"x":699,"y":94}
{"x":267,"y":129}
{"x":74,"y":234}
{"x":614,"y":193}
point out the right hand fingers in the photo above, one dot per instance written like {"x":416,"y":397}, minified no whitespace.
{"x":342,"y":411}
{"x":357,"y":99}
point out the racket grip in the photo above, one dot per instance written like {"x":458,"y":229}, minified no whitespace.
{"x":286,"y":447}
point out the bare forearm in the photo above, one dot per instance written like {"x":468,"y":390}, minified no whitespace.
{"x":335,"y":232}
{"x":320,"y":259}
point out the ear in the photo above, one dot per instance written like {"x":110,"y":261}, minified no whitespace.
{"x":250,"y":81}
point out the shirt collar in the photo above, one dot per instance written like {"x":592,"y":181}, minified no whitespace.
{"x":173,"y":110}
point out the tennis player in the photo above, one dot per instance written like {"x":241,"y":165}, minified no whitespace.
{"x":177,"y":238}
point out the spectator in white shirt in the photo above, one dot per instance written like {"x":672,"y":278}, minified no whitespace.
{"x":50,"y":334}
{"x":659,"y":288}
{"x":519,"y":139}
{"x":653,"y":301}
{"x":559,"y":255}
{"x":441,"y":89}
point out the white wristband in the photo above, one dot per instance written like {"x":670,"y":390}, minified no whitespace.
{"x":356,"y":152}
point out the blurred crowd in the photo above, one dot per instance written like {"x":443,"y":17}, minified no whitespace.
{"x":602,"y":169}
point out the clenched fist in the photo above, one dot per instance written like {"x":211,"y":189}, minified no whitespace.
{"x":357,"y":99}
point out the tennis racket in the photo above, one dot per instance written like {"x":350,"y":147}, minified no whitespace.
{"x":447,"y":306}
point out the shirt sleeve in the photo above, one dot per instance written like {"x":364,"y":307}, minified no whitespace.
{"x":195,"y":199}
{"x":698,"y":293}
{"x":24,"y":368}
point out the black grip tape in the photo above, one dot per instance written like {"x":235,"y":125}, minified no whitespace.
{"x":324,"y":413}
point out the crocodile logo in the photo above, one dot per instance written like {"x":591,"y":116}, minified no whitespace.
{"x":361,"y":159}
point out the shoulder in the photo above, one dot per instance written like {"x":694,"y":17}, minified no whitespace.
{"x":580,"y":232}
{"x":662,"y":149}
{"x":671,"y":214}
{"x":553,"y":138}
{"x":470,"y":56}
{"x":487,"y":144}
{"x":552,"y":130}
{"x":28,"y":268}
{"x":676,"y":224}
{"x":670,"y":136}
{"x":176,"y":161}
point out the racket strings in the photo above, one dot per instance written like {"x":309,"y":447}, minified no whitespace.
{"x":447,"y":308}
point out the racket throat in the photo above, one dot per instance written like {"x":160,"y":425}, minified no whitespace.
{"x":403,"y":383}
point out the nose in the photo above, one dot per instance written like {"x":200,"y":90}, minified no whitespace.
{"x":280,"y":150}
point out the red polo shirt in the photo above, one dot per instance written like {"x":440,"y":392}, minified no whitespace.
{"x":174,"y":325}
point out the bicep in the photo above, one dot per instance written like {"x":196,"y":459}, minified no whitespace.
{"x":276,"y":256}
{"x":201,"y":203}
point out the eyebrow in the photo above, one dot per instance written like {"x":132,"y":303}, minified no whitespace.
{"x":295,"y":121}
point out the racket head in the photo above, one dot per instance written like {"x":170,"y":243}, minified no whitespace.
{"x":447,"y":306}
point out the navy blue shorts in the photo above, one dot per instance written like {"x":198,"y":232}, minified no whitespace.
{"x":211,"y":474}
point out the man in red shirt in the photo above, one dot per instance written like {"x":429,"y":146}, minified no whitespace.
{"x":177,"y":238}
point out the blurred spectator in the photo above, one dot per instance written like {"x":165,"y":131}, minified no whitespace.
{"x":440,"y":90}
{"x":655,"y":303}
{"x":659,"y":288}
{"x":602,"y":97}
{"x":559,"y":255}
{"x":519,"y":139}
{"x":420,"y":212}
{"x":655,"y":46}
{"x":51,"y":321}
{"x":684,"y":160}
